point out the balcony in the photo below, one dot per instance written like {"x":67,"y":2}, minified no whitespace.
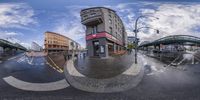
{"x":92,"y":18}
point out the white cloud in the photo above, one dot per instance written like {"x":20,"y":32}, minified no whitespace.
{"x":12,"y":34}
{"x":16,"y":15}
{"x":7,"y":34}
{"x":26,"y":45}
{"x":127,"y":15}
{"x":72,"y":28}
{"x":73,"y":31}
{"x":147,"y":11}
{"x":12,"y":37}
{"x":174,"y":19}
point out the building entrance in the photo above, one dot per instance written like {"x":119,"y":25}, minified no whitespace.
{"x":110,"y":48}
{"x":96,"y":48}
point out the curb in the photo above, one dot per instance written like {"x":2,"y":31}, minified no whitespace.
{"x":125,"y":81}
{"x":28,"y":86}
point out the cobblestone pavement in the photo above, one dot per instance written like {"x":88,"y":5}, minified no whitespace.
{"x":104,"y":68}
{"x":124,"y":81}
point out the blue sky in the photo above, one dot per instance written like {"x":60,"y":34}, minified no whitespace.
{"x":24,"y":21}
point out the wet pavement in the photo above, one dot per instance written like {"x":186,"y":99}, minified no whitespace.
{"x":104,"y":68}
{"x":28,"y":69}
{"x":31,"y":69}
{"x":158,"y":83}
{"x":178,"y":58}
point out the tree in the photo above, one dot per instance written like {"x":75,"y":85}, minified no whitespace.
{"x":131,"y":46}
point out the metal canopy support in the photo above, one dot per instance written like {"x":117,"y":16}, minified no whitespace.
{"x":173,"y":39}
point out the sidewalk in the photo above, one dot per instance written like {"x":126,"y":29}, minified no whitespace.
{"x":125,"y":80}
{"x":36,"y":54}
{"x":104,"y":68}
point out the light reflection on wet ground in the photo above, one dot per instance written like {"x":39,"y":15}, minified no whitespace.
{"x":104,"y":68}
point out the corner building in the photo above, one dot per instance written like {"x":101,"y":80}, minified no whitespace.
{"x":105,"y":32}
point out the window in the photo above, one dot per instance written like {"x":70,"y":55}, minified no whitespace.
{"x":110,"y":30}
{"x":94,"y":29}
{"x":110,"y":21}
{"x":85,"y":16}
{"x":109,"y":11}
{"x":110,"y":15}
{"x":92,"y":10}
{"x":116,"y":26}
{"x":85,"y":12}
{"x":93,"y":14}
{"x":102,"y":49}
{"x":97,"y":10}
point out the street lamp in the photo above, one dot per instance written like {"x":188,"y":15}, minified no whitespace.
{"x":72,"y":44}
{"x":137,"y":30}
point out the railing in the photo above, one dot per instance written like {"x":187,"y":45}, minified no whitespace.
{"x":174,"y":38}
{"x":9,"y":44}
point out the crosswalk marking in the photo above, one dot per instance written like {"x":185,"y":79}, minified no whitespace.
{"x":28,"y":86}
{"x":55,"y":65}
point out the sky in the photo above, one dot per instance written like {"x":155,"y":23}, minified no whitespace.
{"x":25,"y":21}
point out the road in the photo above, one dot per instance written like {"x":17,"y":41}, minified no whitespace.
{"x":159,"y":82}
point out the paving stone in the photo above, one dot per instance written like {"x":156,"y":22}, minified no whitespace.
{"x":117,"y":83}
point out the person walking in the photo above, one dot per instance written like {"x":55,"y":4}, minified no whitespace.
{"x":65,"y":56}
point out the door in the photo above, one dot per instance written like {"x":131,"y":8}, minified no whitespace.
{"x":96,"y":48}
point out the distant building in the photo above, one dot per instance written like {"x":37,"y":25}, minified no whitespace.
{"x":35,"y":47}
{"x":105,"y":32}
{"x":73,"y":46}
{"x":132,"y":40}
{"x":55,"y":42}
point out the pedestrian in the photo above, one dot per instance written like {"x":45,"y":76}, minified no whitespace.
{"x":84,"y":54}
{"x":65,"y":56}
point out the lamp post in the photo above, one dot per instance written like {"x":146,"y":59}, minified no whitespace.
{"x":72,"y":44}
{"x":137,"y":30}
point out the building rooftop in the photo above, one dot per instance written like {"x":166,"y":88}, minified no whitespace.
{"x":62,"y":35}
{"x":98,"y":7}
